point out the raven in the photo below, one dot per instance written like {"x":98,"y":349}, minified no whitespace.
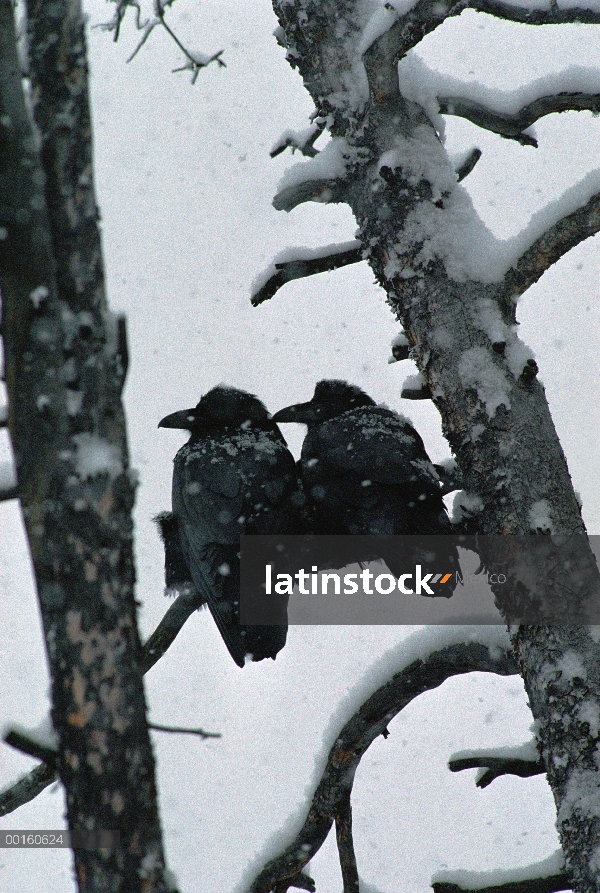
{"x":365,"y":471}
{"x":234,"y":475}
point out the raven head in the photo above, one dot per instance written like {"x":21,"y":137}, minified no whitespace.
{"x":220,"y":410}
{"x":332,"y":398}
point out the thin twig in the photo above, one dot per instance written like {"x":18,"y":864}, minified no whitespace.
{"x":180,"y":730}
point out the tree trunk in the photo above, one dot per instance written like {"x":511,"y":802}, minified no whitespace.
{"x":417,"y":229}
{"x":65,"y":363}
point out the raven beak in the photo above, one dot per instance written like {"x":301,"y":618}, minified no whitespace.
{"x":184,"y":418}
{"x":304,"y":413}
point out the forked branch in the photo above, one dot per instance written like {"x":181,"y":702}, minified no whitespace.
{"x":370,"y":721}
{"x":512,"y":126}
{"x":496,"y":766}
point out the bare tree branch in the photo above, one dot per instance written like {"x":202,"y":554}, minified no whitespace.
{"x":511,"y":126}
{"x":566,"y":233}
{"x":298,"y":268}
{"x":195,"y":61}
{"x":169,"y":627}
{"x":527,"y":16}
{"x":468,"y":164}
{"x":27,"y":788}
{"x":182,"y":730}
{"x":354,"y":739}
{"x":20,"y":741}
{"x":551,"y":884}
{"x":345,"y":843}
{"x":497,"y":766}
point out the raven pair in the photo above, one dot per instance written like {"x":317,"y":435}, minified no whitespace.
{"x":364,"y":470}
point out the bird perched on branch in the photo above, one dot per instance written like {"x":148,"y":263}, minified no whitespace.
{"x":366,"y":472}
{"x":234,"y":475}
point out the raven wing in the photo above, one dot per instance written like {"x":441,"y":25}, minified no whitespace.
{"x":245,"y":483}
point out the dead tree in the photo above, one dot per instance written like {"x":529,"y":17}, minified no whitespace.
{"x":455,"y":293}
{"x":66,"y":360}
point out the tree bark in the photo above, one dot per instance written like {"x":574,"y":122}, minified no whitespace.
{"x":401,"y":187}
{"x":65,"y":363}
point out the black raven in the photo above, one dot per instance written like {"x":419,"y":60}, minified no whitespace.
{"x":234,"y":475}
{"x":366,"y":472}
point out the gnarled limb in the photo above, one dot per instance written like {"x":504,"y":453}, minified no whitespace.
{"x":360,"y":731}
{"x":511,"y":126}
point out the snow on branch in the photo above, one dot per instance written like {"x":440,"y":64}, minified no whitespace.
{"x":512,"y":126}
{"x":295,"y":263}
{"x":528,"y":15}
{"x":303,"y":140}
{"x":427,"y":660}
{"x":523,"y":761}
{"x":546,"y":876}
{"x":556,"y":241}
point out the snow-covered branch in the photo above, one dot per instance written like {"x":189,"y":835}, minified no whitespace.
{"x":523,"y":761}
{"x":555,"y":15}
{"x":556,"y":241}
{"x":552,"y":884}
{"x":296,"y":263}
{"x":368,"y":722}
{"x":323,"y":191}
{"x":512,"y":126}
{"x":303,"y":140}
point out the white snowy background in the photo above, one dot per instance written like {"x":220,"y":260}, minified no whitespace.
{"x":185,"y":182}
